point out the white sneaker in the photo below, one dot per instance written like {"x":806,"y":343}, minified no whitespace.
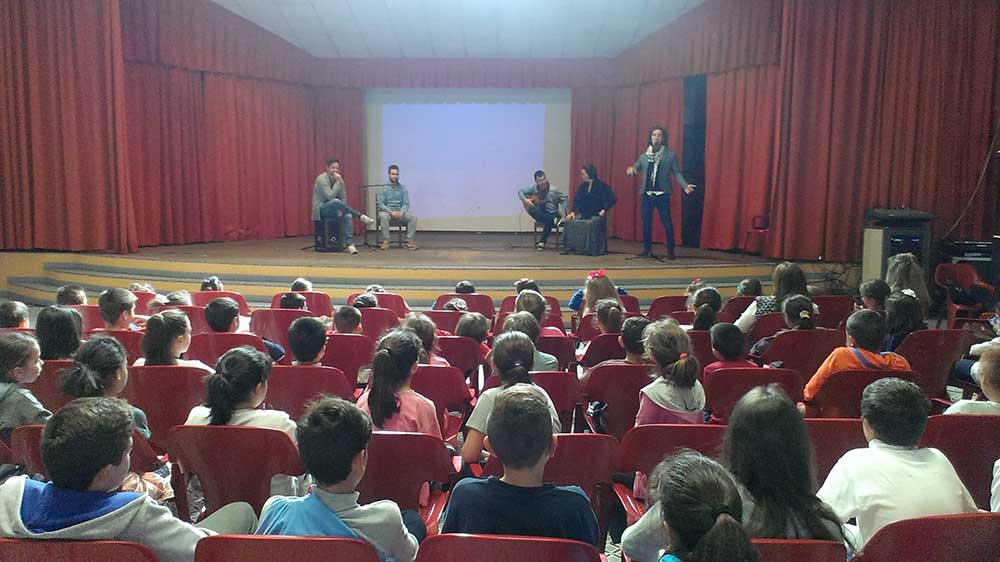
{"x":367,"y":220}
{"x":352,"y":249}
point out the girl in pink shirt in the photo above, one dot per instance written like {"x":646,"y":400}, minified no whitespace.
{"x":393,"y":405}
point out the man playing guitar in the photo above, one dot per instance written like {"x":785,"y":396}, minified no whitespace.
{"x":545,"y":204}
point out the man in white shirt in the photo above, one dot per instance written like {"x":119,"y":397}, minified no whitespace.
{"x":893,"y":479}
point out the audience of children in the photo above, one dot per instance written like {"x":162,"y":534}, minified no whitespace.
{"x":789,"y":279}
{"x":20,"y":364}
{"x":865,"y":337}
{"x":873,"y":294}
{"x":235,"y":391}
{"x":333,"y":437}
{"x":117,"y":308}
{"x":347,"y":320}
{"x":365,"y":300}
{"x":292,"y":301}
{"x":903,"y":316}
{"x":532,"y":301}
{"x":390,"y":401}
{"x":608,"y":318}
{"x":693,"y":287}
{"x":631,"y":339}
{"x":456,"y":305}
{"x":597,"y":286}
{"x":464,"y":288}
{"x":307,"y":340}
{"x":729,"y":345}
{"x":68,"y":295}
{"x":798,"y":311}
{"x":85,"y":449}
{"x":706,"y":305}
{"x":301,"y":284}
{"x":223,"y":315}
{"x":58,"y":329}
{"x":167,"y":338}
{"x":676,"y":394}
{"x":893,"y":478}
{"x":520,"y":503}
{"x":512,"y":360}
{"x":476,"y":326}
{"x":212,"y":283}
{"x":13,"y":314}
{"x":525,"y":284}
{"x":426,"y":330}
{"x":525,"y":323}
{"x":903,"y":272}
{"x":749,"y":288}
{"x":174,"y":298}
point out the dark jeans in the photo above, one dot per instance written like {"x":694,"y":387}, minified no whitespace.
{"x":337,"y":208}
{"x":414,"y":524}
{"x":662,"y":205}
{"x":544,"y":218}
{"x":963,"y":370}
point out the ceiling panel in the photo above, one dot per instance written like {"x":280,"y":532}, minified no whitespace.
{"x":461,"y":28}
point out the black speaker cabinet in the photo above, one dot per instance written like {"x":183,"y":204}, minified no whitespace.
{"x":329,"y":235}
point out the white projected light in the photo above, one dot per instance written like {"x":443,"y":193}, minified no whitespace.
{"x":463,"y":154}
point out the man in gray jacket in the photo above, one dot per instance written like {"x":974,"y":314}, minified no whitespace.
{"x":393,"y":203}
{"x":545,"y":204}
{"x":329,"y":201}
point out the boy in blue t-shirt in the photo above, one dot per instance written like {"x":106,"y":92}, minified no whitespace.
{"x":519,"y":432}
{"x":333,"y":438}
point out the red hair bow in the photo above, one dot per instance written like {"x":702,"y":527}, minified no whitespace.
{"x":598,"y":273}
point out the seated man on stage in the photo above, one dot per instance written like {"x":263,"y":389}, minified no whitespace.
{"x":545,"y":204}
{"x":393,"y":202}
{"x":587,"y":226}
{"x":329,"y":201}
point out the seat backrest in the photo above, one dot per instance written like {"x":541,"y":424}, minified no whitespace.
{"x":683,"y":316}
{"x":630,"y":303}
{"x":477,"y":302}
{"x":563,"y":348}
{"x":803,"y":350}
{"x":131,"y":340}
{"x":272,"y":323}
{"x":348,"y":352}
{"x":392,"y":301}
{"x":195,"y":315}
{"x":317,"y":302}
{"x":643,"y":447}
{"x":726,"y":386}
{"x":142,"y":299}
{"x":202,"y":298}
{"x":766,"y":325}
{"x":972,"y":446}
{"x":840,"y":395}
{"x":256,"y":548}
{"x":209,"y":347}
{"x":461,"y":352}
{"x":234,"y":463}
{"x":507,"y":304}
{"x":663,"y":306}
{"x":602,"y":348}
{"x":445,"y":386}
{"x":290,"y":388}
{"x":446,"y":320}
{"x":586,"y":328}
{"x":618,"y":386}
{"x":563,"y":389}
{"x":166,"y":393}
{"x":799,"y":550}
{"x":831,"y":438}
{"x":833,"y":309}
{"x":26,"y":446}
{"x":735,"y":306}
{"x":425,"y":458}
{"x":932,"y":354}
{"x":47,"y":388}
{"x":503,"y":548}
{"x":91,"y":314}
{"x":22,"y":550}
{"x":970,"y":537}
{"x":376,"y":321}
{"x":961,"y":274}
{"x":701,"y":347}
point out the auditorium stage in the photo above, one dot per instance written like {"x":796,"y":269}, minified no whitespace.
{"x":261,"y":268}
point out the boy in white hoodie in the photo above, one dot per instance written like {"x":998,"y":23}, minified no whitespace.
{"x":85,"y":450}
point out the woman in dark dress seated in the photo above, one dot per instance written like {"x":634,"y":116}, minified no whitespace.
{"x":587,"y":224}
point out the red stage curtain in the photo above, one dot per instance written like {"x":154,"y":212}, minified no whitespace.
{"x":882,"y":104}
{"x":259,"y":158}
{"x":739,"y":145}
{"x":340,"y":131}
{"x":166,"y":112}
{"x":716,"y":36}
{"x":592,"y":121}
{"x":64,"y":181}
{"x":627,"y":138}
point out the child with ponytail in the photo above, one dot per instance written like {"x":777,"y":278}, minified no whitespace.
{"x":608,"y":318}
{"x":234,"y":392}
{"x":676,"y":395}
{"x":100,"y":368}
{"x":426,"y":330}
{"x":390,"y":401}
{"x":799,"y":313}
{"x":701,"y":511}
{"x":707,"y":304}
{"x":513,"y":358}
{"x":168,"y":337}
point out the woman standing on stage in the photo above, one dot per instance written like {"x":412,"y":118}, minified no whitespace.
{"x":655,"y":166}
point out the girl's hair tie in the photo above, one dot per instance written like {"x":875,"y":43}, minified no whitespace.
{"x":804,"y":314}
{"x":597,"y":273}
{"x":910,"y":293}
{"x":684,"y":356}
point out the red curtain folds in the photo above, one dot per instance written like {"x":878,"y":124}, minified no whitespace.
{"x":340,"y":130}
{"x":592,"y":121}
{"x":259,"y":158}
{"x":882,"y":104}
{"x":739,"y":143}
{"x":63,"y":166}
{"x":166,"y":114}
{"x":626,"y":136}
